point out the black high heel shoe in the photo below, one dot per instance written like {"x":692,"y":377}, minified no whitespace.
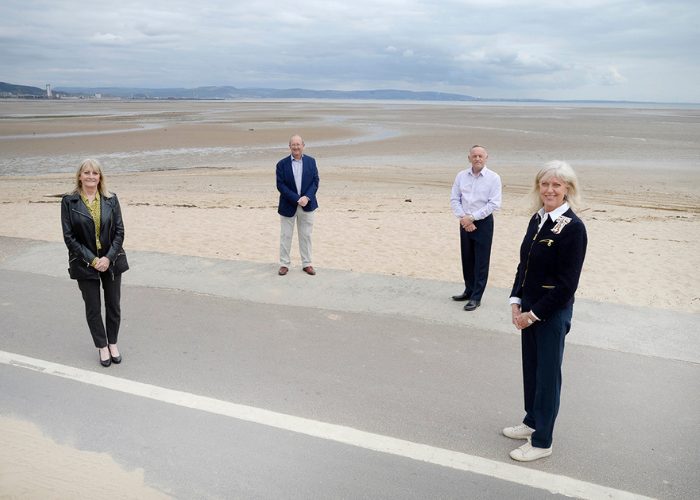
{"x":114,"y":360}
{"x":105,"y":362}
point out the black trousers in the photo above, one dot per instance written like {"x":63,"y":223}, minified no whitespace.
{"x":476,"y":256}
{"x":543,"y":352}
{"x":111,"y":284}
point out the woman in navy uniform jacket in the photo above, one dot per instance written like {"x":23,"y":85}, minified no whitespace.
{"x":94,"y":233}
{"x":551,"y":259}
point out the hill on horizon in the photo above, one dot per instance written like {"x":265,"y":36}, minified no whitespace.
{"x":26,"y":90}
{"x":229,"y":92}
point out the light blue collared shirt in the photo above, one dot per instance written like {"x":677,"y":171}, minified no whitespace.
{"x":478,"y":195}
{"x":298,"y":170}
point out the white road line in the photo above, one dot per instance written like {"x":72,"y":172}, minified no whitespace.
{"x":424,"y":453}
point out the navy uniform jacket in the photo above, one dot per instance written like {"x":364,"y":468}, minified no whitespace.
{"x":288,"y":188}
{"x":550,"y":266}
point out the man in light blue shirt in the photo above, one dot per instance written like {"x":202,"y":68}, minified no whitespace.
{"x":476,"y":194}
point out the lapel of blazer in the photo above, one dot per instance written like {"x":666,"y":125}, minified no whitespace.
{"x":304,"y":170}
{"x":289,"y":175}
{"x":549,"y":223}
{"x":105,"y":210}
{"x":78,"y":205}
{"x":546,"y":228}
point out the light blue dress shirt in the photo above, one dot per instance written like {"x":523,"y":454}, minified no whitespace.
{"x":298,"y":170}
{"x":478,"y":195}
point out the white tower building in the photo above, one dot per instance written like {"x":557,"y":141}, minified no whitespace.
{"x":48,"y":90}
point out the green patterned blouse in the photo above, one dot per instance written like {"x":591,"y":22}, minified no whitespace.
{"x":95,"y":209}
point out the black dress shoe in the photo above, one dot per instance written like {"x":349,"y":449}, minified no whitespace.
{"x":105,"y":362}
{"x":471,"y":305}
{"x":464,"y":296}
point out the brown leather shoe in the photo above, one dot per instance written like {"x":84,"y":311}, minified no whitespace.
{"x":283,"y":270}
{"x":310,"y":270}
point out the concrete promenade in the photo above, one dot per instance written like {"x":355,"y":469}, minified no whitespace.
{"x":376,"y":359}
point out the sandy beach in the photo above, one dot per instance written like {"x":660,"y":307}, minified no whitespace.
{"x":197,"y":178}
{"x":207,"y":188}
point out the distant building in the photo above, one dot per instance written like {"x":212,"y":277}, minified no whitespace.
{"x":98,"y":96}
{"x":48,"y":90}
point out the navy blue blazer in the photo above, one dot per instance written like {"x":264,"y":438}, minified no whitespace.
{"x":550,"y":266}
{"x":288,"y":188}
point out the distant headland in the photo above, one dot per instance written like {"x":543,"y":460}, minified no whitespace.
{"x":8,"y":90}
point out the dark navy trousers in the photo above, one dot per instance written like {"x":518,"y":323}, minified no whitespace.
{"x":476,"y":256}
{"x":543,"y":351}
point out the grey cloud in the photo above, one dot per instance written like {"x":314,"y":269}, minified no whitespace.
{"x":610,"y":76}
{"x":106,"y":39}
{"x":506,"y":48}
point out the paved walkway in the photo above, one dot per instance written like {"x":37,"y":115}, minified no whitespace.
{"x":227,"y":367}
{"x":636,"y":330}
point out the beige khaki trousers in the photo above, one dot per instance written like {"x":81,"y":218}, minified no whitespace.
{"x":305,"y":226}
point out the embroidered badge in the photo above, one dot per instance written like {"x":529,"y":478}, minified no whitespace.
{"x":560,"y":223}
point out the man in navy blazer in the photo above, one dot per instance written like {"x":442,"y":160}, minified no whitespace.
{"x":297,"y":182}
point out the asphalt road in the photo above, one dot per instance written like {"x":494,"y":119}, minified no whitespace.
{"x":407,"y":364}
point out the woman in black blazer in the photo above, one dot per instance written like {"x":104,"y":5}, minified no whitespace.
{"x":94,"y":233}
{"x":551,"y":259}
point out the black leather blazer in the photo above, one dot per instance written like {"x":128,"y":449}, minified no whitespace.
{"x":550,"y":266}
{"x":79,"y":235}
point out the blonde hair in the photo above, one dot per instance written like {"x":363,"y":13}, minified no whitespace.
{"x":101,"y":185}
{"x":562,"y":171}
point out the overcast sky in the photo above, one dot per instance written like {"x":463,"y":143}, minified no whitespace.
{"x":565,"y":49}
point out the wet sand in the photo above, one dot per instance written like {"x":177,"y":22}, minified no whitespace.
{"x":34,"y":467}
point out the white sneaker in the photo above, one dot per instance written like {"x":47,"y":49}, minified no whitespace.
{"x":521,"y":431}
{"x":528,"y":453}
